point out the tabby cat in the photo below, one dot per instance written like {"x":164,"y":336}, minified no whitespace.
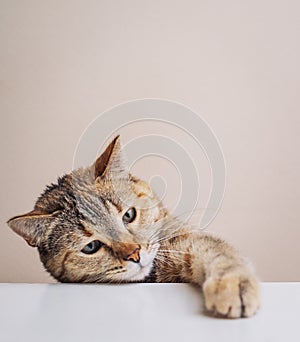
{"x":101,"y":224}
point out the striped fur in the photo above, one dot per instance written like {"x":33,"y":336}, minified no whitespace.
{"x":89,"y":203}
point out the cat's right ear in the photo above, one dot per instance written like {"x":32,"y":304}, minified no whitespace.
{"x":31,"y":226}
{"x":111,"y":163}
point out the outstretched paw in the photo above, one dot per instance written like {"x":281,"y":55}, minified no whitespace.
{"x":232,"y":295}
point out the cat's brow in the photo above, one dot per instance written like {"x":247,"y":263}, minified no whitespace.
{"x":116,"y":205}
{"x":84,"y":231}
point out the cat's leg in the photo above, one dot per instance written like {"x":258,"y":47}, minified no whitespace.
{"x":229,"y":285}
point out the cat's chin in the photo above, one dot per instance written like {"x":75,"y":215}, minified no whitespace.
{"x":142,"y":273}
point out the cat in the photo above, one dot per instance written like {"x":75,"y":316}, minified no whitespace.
{"x":102,"y":224}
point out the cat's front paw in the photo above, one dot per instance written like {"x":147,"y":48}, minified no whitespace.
{"x":232,"y":295}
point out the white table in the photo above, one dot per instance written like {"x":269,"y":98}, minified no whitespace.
{"x":139,"y":312}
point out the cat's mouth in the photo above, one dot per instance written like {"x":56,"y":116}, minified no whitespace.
{"x":139,"y":271}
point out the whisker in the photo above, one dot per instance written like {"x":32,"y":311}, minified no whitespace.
{"x":176,"y":258}
{"x":92,"y":279}
{"x":175,"y":235}
{"x":171,"y":251}
{"x":115,"y":272}
{"x":163,"y":260}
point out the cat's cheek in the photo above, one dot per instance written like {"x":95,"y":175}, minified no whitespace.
{"x":148,"y":257}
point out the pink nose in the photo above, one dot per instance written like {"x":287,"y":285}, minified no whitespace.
{"x":134,"y":256}
{"x":127,"y":251}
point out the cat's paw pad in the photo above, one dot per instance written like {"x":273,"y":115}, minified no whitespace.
{"x":232,"y":296}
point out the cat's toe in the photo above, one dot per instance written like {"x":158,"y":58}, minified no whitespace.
{"x":231,"y":296}
{"x":250,"y":296}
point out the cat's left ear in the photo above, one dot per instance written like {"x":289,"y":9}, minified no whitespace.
{"x":111,"y":163}
{"x":31,"y":226}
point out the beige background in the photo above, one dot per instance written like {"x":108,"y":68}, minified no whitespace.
{"x":234,"y":62}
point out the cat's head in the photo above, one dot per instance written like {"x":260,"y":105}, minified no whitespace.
{"x":97,"y":224}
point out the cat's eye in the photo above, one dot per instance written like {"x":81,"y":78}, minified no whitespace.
{"x":92,"y":247}
{"x":130,"y":215}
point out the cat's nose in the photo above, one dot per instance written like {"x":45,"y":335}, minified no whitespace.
{"x":134,"y":256}
{"x":127,"y":251}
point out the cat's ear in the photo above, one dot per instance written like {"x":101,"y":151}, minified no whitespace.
{"x":31,"y":226}
{"x":111,"y":163}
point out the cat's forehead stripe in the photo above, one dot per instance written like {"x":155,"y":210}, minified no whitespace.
{"x":96,"y":213}
{"x":90,"y":207}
